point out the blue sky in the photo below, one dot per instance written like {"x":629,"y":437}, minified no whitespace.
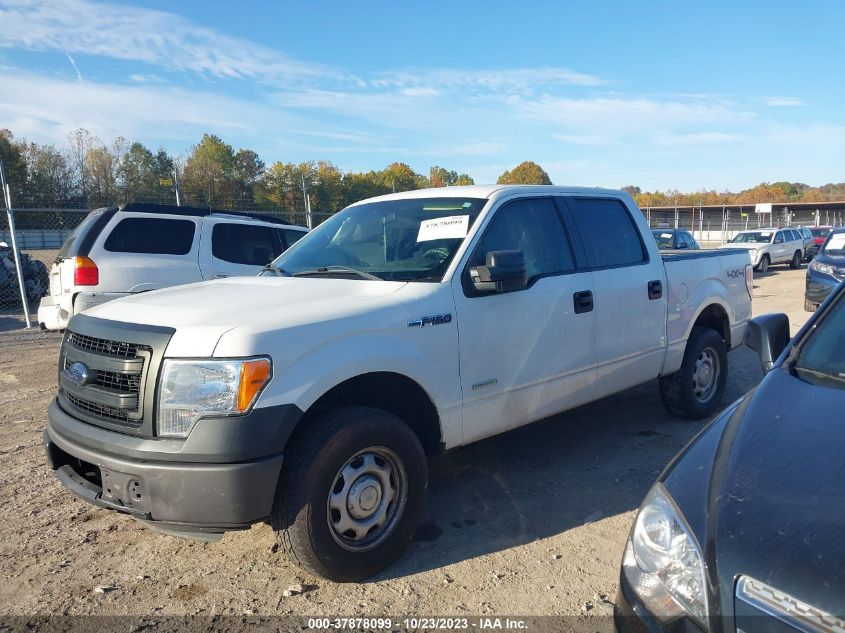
{"x":659,"y":94}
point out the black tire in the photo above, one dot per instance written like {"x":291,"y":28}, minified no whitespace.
{"x":809,"y":306}
{"x":313,"y":473}
{"x":795,"y":262}
{"x":681,"y":393}
{"x":763,"y":266}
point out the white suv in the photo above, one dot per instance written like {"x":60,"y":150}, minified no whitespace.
{"x":770,"y":246}
{"x":139,"y":247}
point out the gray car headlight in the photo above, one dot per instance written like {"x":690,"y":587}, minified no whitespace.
{"x":663,"y":562}
{"x":194,"y":389}
{"x":822,"y":268}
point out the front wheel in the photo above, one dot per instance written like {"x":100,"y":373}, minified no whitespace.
{"x":763,"y":266}
{"x":696,"y":389}
{"x":796,"y":260}
{"x":352,"y":493}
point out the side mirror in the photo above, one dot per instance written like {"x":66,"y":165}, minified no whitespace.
{"x":504,"y":272}
{"x":768,"y":335}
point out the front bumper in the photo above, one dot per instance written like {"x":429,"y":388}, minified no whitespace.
{"x":187,"y":497}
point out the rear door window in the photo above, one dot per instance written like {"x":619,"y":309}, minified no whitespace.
{"x":608,"y":232}
{"x":153,"y":236}
{"x":249,"y":244}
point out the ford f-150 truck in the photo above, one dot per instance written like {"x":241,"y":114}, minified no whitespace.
{"x":421,"y":321}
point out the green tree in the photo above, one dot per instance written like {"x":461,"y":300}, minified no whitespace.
{"x":209,"y":175}
{"x":14,"y":166}
{"x":526,"y":173}
{"x":50,"y":179}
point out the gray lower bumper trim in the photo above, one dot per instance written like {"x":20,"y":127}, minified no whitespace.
{"x":194,"y":495}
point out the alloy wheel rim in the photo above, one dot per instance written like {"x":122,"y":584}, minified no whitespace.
{"x":367,"y":499}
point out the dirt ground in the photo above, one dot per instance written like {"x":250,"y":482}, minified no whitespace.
{"x":532,"y":522}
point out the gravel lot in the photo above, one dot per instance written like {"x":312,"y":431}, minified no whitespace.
{"x":532,"y":522}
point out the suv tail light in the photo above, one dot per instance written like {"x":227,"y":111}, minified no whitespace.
{"x":85,"y":272}
{"x":749,"y":280}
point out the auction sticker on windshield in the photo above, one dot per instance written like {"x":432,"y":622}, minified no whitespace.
{"x":836,"y":243}
{"x":454,"y":226}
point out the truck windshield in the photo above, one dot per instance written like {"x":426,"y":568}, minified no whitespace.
{"x":761,"y":237}
{"x":412,"y":239}
{"x":664,"y":239}
{"x":822,"y":355}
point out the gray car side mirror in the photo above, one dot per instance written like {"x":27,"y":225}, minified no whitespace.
{"x":768,"y":335}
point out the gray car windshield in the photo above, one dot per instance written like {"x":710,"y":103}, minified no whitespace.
{"x":835,"y":245}
{"x":759,"y":237}
{"x":412,"y":239}
{"x":822,"y":354}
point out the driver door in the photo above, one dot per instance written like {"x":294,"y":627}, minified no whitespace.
{"x":528,"y":353}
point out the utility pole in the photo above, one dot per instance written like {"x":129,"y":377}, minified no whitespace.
{"x":176,"y":187}
{"x":10,"y":217}
{"x":307,"y":201}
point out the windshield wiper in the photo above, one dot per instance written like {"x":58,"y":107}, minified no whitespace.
{"x":335,"y":270}
{"x":821,"y":374}
{"x":269,"y":268}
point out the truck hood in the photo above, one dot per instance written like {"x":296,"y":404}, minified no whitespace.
{"x":778,"y":493}
{"x":203,"y":312}
{"x":745,"y":245}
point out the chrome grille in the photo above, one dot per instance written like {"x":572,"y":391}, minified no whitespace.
{"x":104,"y":346}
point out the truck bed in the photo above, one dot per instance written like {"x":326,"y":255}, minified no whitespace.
{"x":678,"y":255}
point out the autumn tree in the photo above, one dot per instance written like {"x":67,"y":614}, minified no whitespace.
{"x":526,"y":173}
{"x":441,"y":177}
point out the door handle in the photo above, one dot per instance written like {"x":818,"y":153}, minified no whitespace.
{"x":583,"y":301}
{"x":655,"y":290}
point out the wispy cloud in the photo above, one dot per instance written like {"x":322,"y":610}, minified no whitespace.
{"x":131,"y":33}
{"x":782,"y":101}
{"x":75,"y":68}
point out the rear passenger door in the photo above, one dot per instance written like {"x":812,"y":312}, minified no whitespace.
{"x":144,"y":252}
{"x":630,"y":292}
{"x":528,"y":353}
{"x":237,"y":249}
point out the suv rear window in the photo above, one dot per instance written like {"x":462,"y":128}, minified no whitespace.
{"x":80,"y":241}
{"x":248,"y":244}
{"x":154,"y":236}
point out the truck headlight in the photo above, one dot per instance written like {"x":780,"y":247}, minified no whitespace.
{"x":663,"y":562}
{"x":821,"y":268}
{"x":194,"y":389}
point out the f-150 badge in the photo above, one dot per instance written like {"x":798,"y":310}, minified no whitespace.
{"x":436,"y":319}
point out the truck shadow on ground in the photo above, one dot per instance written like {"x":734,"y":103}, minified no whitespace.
{"x":591,"y":463}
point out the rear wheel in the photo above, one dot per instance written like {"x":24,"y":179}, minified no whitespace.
{"x":796,"y":260}
{"x":763,"y":266}
{"x":352,"y":493}
{"x":696,"y":389}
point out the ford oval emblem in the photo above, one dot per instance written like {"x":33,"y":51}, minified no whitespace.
{"x":78,"y":373}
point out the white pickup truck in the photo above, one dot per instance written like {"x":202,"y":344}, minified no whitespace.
{"x":309,"y":396}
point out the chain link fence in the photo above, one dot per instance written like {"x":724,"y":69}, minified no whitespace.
{"x":713,"y":226}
